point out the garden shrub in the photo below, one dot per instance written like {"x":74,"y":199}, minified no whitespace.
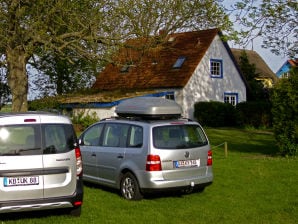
{"x":215,"y":114}
{"x":285,"y":113}
{"x":83,"y":120}
{"x":44,"y":104}
{"x":254,"y":114}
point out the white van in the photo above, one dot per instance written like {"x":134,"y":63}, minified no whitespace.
{"x":40,"y":163}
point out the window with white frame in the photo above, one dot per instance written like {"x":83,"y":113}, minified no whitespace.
{"x":216,"y":68}
{"x":231,"y":98}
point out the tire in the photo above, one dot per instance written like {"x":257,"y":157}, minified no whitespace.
{"x":129,"y":187}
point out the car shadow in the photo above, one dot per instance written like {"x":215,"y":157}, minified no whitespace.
{"x":15,"y":216}
{"x":177,"y":193}
{"x":102,"y":187}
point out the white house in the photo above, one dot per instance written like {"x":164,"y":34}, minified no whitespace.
{"x":187,"y":67}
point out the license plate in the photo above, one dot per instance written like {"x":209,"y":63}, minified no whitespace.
{"x":186,"y":163}
{"x":20,"y":181}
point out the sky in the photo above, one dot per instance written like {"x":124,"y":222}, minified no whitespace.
{"x":272,"y":60}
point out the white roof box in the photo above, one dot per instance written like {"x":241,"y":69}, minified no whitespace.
{"x":149,"y":107}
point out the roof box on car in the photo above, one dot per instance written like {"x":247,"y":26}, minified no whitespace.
{"x":149,"y":107}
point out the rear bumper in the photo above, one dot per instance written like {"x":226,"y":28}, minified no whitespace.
{"x":169,"y":189}
{"x":150,"y":182}
{"x":71,"y":201}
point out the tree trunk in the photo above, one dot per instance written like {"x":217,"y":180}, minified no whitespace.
{"x":17,"y":78}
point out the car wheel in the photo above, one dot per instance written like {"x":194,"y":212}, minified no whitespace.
{"x":130,"y":188}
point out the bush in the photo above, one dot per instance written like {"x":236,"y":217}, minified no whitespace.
{"x":285,"y":113}
{"x":82,"y":121}
{"x":215,"y":114}
{"x":254,"y":114}
{"x":44,"y":104}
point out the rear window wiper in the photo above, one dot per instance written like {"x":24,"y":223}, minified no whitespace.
{"x":10,"y":153}
{"x":28,"y":149}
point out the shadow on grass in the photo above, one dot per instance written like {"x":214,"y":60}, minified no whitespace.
{"x":170,"y":193}
{"x":15,"y":216}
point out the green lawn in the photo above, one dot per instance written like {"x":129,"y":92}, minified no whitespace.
{"x":251,"y":185}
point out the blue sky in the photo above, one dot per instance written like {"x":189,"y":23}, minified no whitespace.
{"x":272,"y":60}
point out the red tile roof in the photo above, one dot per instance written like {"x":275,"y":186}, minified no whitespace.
{"x":153,"y":68}
{"x":293,"y":62}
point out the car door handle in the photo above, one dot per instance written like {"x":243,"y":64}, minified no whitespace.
{"x":120,"y":156}
{"x":93,"y":154}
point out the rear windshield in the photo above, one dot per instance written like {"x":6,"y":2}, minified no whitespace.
{"x":36,"y":139}
{"x":179,"y":137}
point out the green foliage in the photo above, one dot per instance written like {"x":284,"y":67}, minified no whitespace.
{"x":215,"y":114}
{"x":285,"y":113}
{"x":274,"y":21}
{"x":254,"y":114}
{"x":82,"y":120}
{"x":255,"y":90}
{"x":47,"y":103}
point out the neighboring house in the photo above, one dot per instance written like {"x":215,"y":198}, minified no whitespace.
{"x":188,"y":67}
{"x":283,"y":72}
{"x":265,"y":74}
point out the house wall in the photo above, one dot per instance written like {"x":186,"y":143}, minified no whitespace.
{"x":202,"y":87}
{"x":101,"y":113}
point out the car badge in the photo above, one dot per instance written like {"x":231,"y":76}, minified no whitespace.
{"x":186,"y":154}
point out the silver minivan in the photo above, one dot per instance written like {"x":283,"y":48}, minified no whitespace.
{"x":40,"y":163}
{"x":147,"y":148}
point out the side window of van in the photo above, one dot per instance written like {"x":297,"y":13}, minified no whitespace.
{"x":136,"y":137}
{"x":58,"y":138}
{"x":92,"y":135}
{"x":115,"y":135}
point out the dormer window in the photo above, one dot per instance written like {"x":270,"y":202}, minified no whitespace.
{"x":179,"y":62}
{"x":125,"y":67}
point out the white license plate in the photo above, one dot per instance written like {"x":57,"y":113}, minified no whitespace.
{"x":186,"y":163}
{"x":20,"y":181}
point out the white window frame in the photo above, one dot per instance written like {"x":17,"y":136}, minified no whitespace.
{"x":216,"y":68}
{"x":231,"y":98}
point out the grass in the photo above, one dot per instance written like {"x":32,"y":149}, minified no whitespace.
{"x":251,"y":185}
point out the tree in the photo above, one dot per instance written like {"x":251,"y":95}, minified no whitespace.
{"x":275,"y":21}
{"x":28,"y":26}
{"x":89,"y":29}
{"x":285,"y":113}
{"x":65,"y":76}
{"x":256,"y":90}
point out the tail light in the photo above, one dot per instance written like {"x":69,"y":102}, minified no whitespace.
{"x":209,"y":159}
{"x":153,"y":163}
{"x":78,"y":203}
{"x":79,"y":161}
